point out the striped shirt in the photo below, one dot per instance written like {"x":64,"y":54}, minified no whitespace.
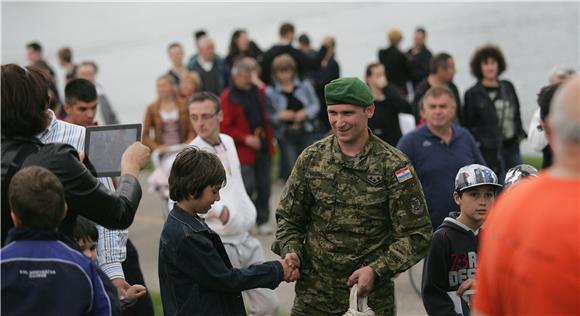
{"x":111,"y":251}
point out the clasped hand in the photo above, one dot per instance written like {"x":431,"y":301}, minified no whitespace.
{"x":291,"y":265}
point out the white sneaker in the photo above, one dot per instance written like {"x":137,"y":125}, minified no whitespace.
{"x":265,"y":229}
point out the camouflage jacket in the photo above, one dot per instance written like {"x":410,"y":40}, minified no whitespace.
{"x":340,"y":213}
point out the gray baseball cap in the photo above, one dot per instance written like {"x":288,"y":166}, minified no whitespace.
{"x":473,"y":176}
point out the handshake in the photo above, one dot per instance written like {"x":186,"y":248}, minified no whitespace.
{"x":291,"y":265}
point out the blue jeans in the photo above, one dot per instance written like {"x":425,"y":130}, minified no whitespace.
{"x":257,"y":180}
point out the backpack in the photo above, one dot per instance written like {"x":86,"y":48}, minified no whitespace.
{"x":15,"y":165}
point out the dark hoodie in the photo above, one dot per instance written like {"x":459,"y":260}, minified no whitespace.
{"x":450,"y":261}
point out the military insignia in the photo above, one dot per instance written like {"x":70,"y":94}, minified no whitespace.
{"x":403,"y":174}
{"x":416,"y":206}
{"x":374,"y":179}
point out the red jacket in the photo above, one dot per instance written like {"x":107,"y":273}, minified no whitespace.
{"x":236,"y":125}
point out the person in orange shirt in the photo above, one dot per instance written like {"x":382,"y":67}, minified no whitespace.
{"x":530,"y":253}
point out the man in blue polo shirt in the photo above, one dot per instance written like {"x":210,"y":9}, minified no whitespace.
{"x":437,"y":150}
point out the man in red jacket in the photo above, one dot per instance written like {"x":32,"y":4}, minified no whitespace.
{"x":245,"y":120}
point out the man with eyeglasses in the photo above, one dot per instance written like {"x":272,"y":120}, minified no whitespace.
{"x":245,"y":120}
{"x":234,"y":215}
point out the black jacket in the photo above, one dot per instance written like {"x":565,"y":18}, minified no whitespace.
{"x":303,"y":61}
{"x":396,"y":67}
{"x":321,"y":78}
{"x":84,"y":194}
{"x":450,"y":261}
{"x":195,"y":273}
{"x":385,"y":121}
{"x":481,"y":119}
{"x":419,"y":64}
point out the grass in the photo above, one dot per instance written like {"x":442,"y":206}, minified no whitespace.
{"x":535,"y":161}
{"x":156,"y":298}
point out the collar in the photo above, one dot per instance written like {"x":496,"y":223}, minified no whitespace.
{"x":50,"y":126}
{"x":285,"y":42}
{"x":295,"y":81}
{"x":460,"y":224}
{"x":196,"y":223}
{"x":426,"y":132}
{"x":22,"y":233}
{"x":357,"y":162}
{"x":206,"y":65}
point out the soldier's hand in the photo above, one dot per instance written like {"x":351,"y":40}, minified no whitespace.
{"x":293,"y":262}
{"x":364,"y":278}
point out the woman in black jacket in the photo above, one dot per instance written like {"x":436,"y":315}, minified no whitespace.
{"x":492,"y":111}
{"x":24,"y":115}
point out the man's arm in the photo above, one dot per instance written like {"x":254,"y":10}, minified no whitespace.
{"x":410,"y":222}
{"x":292,"y":215}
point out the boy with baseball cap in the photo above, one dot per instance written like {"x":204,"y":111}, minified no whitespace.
{"x":451,"y":262}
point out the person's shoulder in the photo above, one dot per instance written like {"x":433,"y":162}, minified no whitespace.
{"x":412,"y":136}
{"x":323,"y":144}
{"x":227,"y":140}
{"x":73,"y":127}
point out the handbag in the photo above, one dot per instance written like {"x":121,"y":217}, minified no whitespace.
{"x":358,"y":306}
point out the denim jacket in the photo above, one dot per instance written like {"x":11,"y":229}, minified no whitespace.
{"x":195,"y":274}
{"x":278,"y":103}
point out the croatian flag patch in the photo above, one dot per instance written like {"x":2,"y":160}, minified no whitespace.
{"x":403,"y":174}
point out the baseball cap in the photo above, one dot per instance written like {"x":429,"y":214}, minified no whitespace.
{"x":519,"y":172}
{"x":473,"y":176}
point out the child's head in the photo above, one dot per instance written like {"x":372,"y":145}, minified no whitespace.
{"x":475,"y":190}
{"x":86,"y":235}
{"x":518,"y":173}
{"x":196,"y":178}
{"x":36,"y":199}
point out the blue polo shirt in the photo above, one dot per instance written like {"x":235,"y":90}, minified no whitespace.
{"x":437,"y":163}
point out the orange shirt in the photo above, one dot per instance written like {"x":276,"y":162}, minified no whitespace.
{"x":530,"y":251}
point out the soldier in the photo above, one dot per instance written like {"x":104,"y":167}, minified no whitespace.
{"x":352,"y":211}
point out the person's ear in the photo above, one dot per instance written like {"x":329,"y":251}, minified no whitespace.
{"x":456,"y":198}
{"x":220,"y":116}
{"x":65,"y":211}
{"x":370,"y":110}
{"x":17,"y":222}
{"x":548,"y":130}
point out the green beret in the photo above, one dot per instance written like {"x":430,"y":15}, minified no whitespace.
{"x":348,"y":91}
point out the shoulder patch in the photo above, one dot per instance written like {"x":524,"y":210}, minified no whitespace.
{"x":403,"y":174}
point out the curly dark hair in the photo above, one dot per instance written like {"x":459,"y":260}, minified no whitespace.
{"x":484,"y":53}
{"x":193,"y":170}
{"x":24,"y":100}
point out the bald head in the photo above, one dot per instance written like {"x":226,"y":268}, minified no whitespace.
{"x":565,"y":112}
{"x":206,"y":49}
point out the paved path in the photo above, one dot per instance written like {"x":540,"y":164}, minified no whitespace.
{"x":148,"y":224}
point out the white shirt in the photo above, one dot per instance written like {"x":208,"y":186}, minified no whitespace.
{"x":233,"y":195}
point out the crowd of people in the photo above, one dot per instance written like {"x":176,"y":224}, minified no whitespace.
{"x":378,"y":175}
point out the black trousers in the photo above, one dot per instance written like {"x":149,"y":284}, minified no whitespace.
{"x":133,"y":275}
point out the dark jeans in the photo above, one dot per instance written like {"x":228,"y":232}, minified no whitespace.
{"x":500,"y":163}
{"x":290,"y":148}
{"x":133,"y":275}
{"x":257,"y":180}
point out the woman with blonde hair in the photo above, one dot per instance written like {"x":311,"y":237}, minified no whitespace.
{"x":167,"y":118}
{"x":294,"y":109}
{"x":189,"y":85}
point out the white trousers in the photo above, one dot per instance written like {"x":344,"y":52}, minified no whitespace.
{"x":263,"y":302}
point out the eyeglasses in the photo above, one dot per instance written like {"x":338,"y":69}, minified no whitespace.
{"x":203,"y":117}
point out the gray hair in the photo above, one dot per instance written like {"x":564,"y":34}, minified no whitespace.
{"x":566,"y":125}
{"x":436,"y":92}
{"x":242,"y":65}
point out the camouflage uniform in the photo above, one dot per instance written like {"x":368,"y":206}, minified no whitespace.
{"x":341,"y":213}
